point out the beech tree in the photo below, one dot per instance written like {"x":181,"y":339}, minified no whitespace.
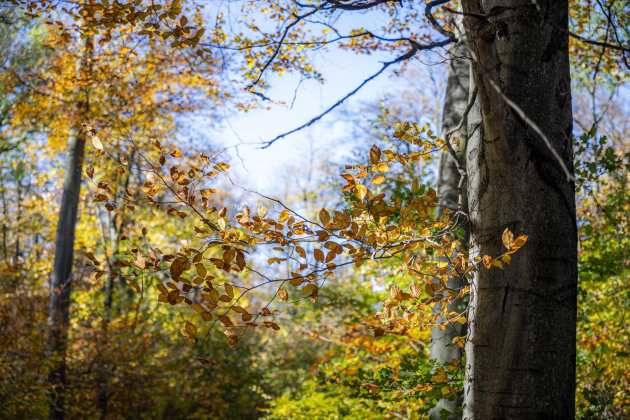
{"x":521,"y":349}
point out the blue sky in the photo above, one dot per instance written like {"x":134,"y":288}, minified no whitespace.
{"x":343,"y":71}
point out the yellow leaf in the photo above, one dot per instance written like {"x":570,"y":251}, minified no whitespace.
{"x":378,"y":180}
{"x":507,"y":238}
{"x":519,"y":242}
{"x":198,"y":308}
{"x":460,"y":341}
{"x":360,"y":191}
{"x":441,"y":376}
{"x":97,"y":143}
{"x":284,"y":215}
{"x":229,"y":290}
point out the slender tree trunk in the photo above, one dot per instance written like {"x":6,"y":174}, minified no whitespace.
{"x":102,"y":399}
{"x":522,"y":320}
{"x":448,"y":177}
{"x":60,"y":280}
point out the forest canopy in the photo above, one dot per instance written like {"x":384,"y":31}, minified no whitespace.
{"x":320,"y":209}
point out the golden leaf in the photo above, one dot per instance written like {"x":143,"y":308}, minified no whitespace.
{"x":519,"y":242}
{"x":360,"y":191}
{"x":201,"y":270}
{"x":487,"y":261}
{"x":507,"y":238}
{"x":300,"y":251}
{"x":191,"y":329}
{"x":378,"y":180}
{"x":283,"y":294}
{"x":198,"y":308}
{"x":229,"y":290}
{"x":460,"y":341}
{"x":284,"y":215}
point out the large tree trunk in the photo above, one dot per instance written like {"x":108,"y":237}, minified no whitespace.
{"x":522,"y":319}
{"x":448,"y":178}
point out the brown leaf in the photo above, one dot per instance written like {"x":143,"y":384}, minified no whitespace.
{"x":324,"y":217}
{"x":283,"y":294}
{"x":375,"y":155}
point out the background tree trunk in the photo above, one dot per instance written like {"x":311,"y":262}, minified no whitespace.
{"x":448,"y":177}
{"x":60,"y":280}
{"x":522,"y":319}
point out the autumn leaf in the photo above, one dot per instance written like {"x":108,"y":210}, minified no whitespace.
{"x":283,"y":294}
{"x":96,"y":142}
{"x":360,"y":191}
{"x":487,"y":261}
{"x":460,"y":341}
{"x":441,"y":376}
{"x":190,"y":332}
{"x":375,"y":155}
{"x":284,"y":215}
{"x":507,"y":238}
{"x":324,"y":217}
{"x":378,"y":180}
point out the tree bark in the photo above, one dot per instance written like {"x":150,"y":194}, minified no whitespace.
{"x":448,"y":178}
{"x":522,"y":319}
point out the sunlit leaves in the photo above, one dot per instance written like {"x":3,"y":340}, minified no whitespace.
{"x":375,"y":225}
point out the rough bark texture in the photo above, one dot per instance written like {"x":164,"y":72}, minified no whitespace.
{"x":448,"y":177}
{"x":522,"y":320}
{"x":60,"y":281}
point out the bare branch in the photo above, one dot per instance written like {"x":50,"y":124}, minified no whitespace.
{"x":415,"y":48}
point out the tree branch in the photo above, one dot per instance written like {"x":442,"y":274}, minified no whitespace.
{"x":412,"y":52}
